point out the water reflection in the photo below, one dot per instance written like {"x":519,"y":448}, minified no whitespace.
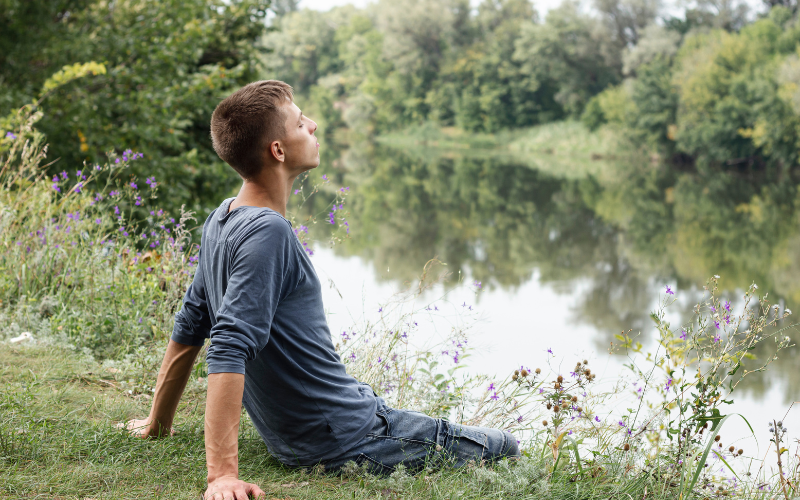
{"x":500,"y":218}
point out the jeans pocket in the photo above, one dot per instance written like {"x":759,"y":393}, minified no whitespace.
{"x":468,"y":443}
{"x":373,"y":466}
{"x":383,"y":422}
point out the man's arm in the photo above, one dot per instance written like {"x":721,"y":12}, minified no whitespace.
{"x":172,"y":377}
{"x":223,"y":410}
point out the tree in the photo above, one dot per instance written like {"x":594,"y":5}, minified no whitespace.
{"x":169,"y":63}
{"x":575,"y":51}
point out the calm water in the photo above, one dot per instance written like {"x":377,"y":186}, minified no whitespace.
{"x":565,"y":261}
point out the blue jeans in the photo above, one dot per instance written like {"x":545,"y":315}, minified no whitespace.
{"x":416,"y":440}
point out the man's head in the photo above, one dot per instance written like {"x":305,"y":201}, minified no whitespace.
{"x":259,"y":124}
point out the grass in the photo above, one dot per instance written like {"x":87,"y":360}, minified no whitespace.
{"x":58,"y":441}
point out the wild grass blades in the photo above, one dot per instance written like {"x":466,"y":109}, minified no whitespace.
{"x":713,"y":346}
{"x":83,"y":240}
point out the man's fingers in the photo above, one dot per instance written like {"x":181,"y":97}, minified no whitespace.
{"x":240,"y":494}
{"x":257,"y":492}
{"x":254,"y":490}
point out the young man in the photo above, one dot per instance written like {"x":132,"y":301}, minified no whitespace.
{"x":256,"y":296}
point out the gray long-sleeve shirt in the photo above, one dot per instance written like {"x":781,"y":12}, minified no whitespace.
{"x":256,"y":295}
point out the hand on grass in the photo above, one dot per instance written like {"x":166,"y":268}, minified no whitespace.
{"x":141,"y":428}
{"x":231,"y":488}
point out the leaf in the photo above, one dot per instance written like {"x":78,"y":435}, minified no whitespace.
{"x":726,"y":463}
{"x":69,"y":73}
{"x":714,"y":430}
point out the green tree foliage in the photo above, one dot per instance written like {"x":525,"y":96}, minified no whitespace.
{"x":168,"y":64}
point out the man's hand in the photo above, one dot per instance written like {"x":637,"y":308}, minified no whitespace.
{"x":142,"y":429}
{"x":231,"y":488}
{"x":172,"y":377}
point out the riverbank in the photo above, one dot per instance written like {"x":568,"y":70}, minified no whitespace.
{"x":58,"y":440}
{"x":565,"y":149}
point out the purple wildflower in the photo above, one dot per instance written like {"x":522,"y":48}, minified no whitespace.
{"x":10,"y":135}
{"x":669,"y":291}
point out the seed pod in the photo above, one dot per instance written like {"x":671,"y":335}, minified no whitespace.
{"x":579,"y":409}
{"x":740,"y":451}
{"x":585,"y":362}
{"x":731,"y":449}
{"x":717,"y":438}
{"x":556,"y":409}
{"x":588,"y":371}
{"x":514,"y":377}
{"x":565,"y":405}
{"x":560,"y":379}
{"x":549,"y":405}
{"x":524,"y":373}
{"x":557,"y":385}
{"x":537,"y":371}
{"x":574,"y":399}
{"x":626,"y":447}
{"x":544,"y":423}
{"x":516,"y":372}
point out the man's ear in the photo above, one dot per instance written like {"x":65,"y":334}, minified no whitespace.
{"x":276,"y":151}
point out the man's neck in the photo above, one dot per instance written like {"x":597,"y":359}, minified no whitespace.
{"x":271,"y":190}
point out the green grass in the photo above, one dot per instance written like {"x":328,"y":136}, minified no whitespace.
{"x":58,"y":441}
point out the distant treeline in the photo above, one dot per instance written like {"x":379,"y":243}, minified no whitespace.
{"x":710,"y":87}
{"x":715,"y":85}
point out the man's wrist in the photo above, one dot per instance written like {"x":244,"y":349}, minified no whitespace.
{"x":213,"y":475}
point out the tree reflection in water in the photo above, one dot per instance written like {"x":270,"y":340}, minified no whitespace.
{"x":616,"y":237}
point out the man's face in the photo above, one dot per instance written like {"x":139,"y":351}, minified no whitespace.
{"x":300,"y":146}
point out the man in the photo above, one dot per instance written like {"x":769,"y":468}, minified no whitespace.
{"x":256,"y":295}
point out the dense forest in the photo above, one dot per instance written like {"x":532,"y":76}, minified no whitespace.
{"x":716,"y":87}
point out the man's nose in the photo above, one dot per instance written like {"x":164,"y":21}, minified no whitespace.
{"x":312,"y":126}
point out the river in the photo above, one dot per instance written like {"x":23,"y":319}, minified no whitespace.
{"x":565,"y":261}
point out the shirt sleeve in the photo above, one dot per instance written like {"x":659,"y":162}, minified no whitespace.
{"x":193,"y":321}
{"x":259,"y":278}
